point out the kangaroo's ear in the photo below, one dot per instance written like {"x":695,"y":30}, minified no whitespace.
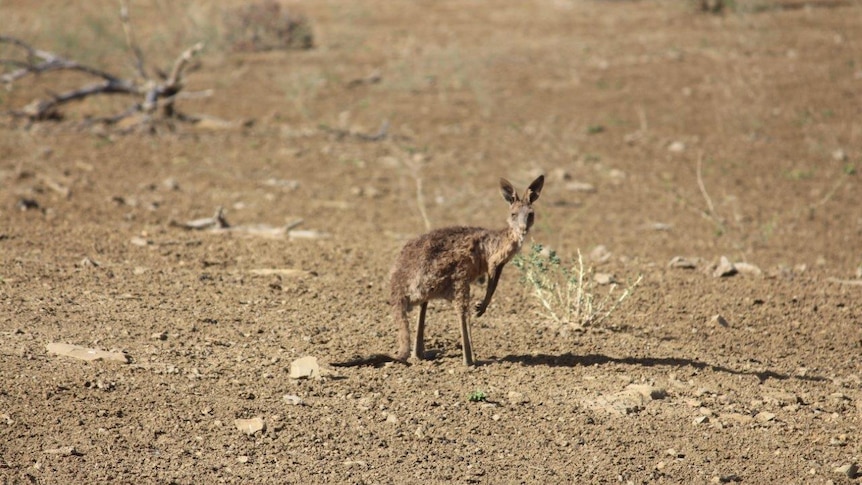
{"x":535,"y":189}
{"x":508,"y":191}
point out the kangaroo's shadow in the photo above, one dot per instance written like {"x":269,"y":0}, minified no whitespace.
{"x":571,"y":360}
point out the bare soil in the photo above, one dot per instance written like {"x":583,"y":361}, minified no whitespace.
{"x":615,"y":101}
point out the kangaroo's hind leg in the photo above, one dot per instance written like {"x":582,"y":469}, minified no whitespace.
{"x":419,"y":343}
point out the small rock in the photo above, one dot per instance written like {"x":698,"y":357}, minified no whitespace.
{"x":737,"y":418}
{"x":764,"y":417}
{"x":140,"y":241}
{"x":724,"y":268}
{"x":392,"y":419}
{"x":851,"y":470}
{"x":305,"y":368}
{"x":580,"y":187}
{"x":600,"y":254}
{"x":307,"y":234}
{"x":88,"y":263}
{"x":292,"y":399}
{"x":701,"y":420}
{"x":603,"y":278}
{"x":64,"y":451}
{"x":159,"y":336}
{"x":676,"y":147}
{"x":517,"y":397}
{"x":748,"y":269}
{"x":171,"y":183}
{"x":682,"y":263}
{"x":250,"y":426}
{"x":83,"y":353}
{"x":718,"y":319}
{"x":242,"y":459}
{"x":839,"y":155}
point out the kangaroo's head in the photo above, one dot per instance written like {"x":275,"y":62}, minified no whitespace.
{"x":521,"y":215}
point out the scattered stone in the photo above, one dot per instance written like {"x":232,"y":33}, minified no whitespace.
{"x":88,"y":263}
{"x":282,"y":183}
{"x":307,"y":234}
{"x":139,"y":241}
{"x":305,"y":368}
{"x":217,"y":221}
{"x":736,"y":418}
{"x":600,"y":254}
{"x":632,"y":399}
{"x":64,"y":451}
{"x":676,"y":147}
{"x":287,"y":272}
{"x":731,"y":477}
{"x":517,"y":397}
{"x":764,"y":417}
{"x":603,"y":278}
{"x":250,"y":426}
{"x":660,"y":226}
{"x":701,"y":420}
{"x":718,"y":319}
{"x":851,"y":470}
{"x":748,"y":269}
{"x":25,"y":204}
{"x":681,"y":263}
{"x":580,"y":187}
{"x":839,"y":155}
{"x":724,"y":268}
{"x":159,"y":336}
{"x":391,"y":418}
{"x":84,"y":353}
{"x":292,"y":399}
{"x":139,"y":270}
{"x":242,"y":459}
{"x":355,"y":464}
{"x":171,"y":183}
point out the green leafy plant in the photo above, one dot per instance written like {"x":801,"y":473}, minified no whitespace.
{"x":569,"y":294}
{"x":477,"y":396}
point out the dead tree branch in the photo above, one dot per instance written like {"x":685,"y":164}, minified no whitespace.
{"x":154,"y":96}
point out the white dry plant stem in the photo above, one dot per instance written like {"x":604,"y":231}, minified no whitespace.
{"x":573,"y":301}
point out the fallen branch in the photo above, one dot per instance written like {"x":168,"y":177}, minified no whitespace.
{"x":156,"y":98}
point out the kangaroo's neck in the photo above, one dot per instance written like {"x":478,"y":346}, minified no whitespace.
{"x":503,"y":245}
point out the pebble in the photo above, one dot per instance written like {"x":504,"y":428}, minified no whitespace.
{"x":701,"y":420}
{"x":764,"y":417}
{"x":250,"y":426}
{"x":724,"y":268}
{"x":748,"y":269}
{"x":851,"y":470}
{"x":603,"y":278}
{"x":83,"y":353}
{"x":292,"y":399}
{"x":516,"y":397}
{"x":580,"y":187}
{"x":676,"y":147}
{"x":718,"y":319}
{"x":600,"y":254}
{"x":681,"y":263}
{"x":305,"y":368}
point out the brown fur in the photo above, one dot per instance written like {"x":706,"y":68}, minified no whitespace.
{"x":443,"y":263}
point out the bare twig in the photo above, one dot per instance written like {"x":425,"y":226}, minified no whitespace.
{"x":130,"y":40}
{"x":420,"y":201}
{"x":153,"y":94}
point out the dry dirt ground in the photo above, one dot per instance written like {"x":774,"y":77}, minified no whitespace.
{"x":616,"y":101}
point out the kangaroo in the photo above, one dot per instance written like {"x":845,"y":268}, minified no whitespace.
{"x":443,"y":263}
